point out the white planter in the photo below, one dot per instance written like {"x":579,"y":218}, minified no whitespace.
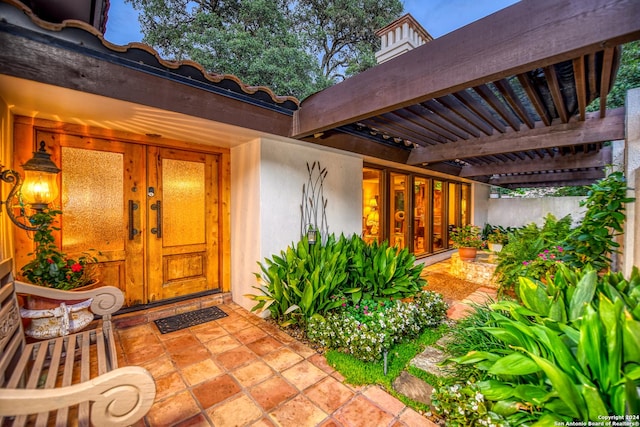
{"x":59,"y":321}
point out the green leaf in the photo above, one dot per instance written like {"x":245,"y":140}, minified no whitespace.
{"x":506,"y":407}
{"x":595,"y":405}
{"x":631,"y":339}
{"x":567,"y":391}
{"x":583,"y":295}
{"x":496,"y":390}
{"x":534,"y":296}
{"x":514,"y":364}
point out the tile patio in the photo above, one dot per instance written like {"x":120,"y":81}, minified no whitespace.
{"x":242,"y":371}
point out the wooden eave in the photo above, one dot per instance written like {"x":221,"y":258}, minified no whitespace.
{"x":74,"y":55}
{"x":511,"y":89}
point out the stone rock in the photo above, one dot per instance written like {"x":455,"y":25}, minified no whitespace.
{"x":413,"y":387}
{"x":428,"y":361}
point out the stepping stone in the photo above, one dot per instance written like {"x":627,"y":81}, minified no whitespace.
{"x":444,"y":340}
{"x":428,"y":361}
{"x":413,"y":387}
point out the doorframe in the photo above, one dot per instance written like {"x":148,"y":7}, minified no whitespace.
{"x":24,"y":144}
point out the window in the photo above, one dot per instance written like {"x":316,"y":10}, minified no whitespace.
{"x":411,"y":210}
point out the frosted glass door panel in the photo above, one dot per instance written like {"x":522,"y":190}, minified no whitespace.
{"x":183,"y":191}
{"x":92,"y":200}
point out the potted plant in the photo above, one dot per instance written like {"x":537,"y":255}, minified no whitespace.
{"x":52,"y":268}
{"x":497,"y":239}
{"x":467,"y":239}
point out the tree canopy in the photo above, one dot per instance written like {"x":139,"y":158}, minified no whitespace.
{"x":295,"y":47}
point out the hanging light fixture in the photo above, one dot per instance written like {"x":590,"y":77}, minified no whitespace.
{"x":40,"y":186}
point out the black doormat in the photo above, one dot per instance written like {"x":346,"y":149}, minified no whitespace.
{"x":191,"y":318}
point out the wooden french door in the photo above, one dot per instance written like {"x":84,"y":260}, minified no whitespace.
{"x":151,"y":213}
{"x":182,"y":207}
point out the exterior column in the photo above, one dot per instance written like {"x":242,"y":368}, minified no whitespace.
{"x":631,"y":245}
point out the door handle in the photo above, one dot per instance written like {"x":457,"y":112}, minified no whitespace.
{"x":132,"y":231}
{"x":157,"y":230}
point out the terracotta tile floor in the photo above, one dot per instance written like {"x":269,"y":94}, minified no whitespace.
{"x":242,"y":371}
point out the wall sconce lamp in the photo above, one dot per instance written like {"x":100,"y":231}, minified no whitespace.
{"x":312,"y":234}
{"x":39,"y":188}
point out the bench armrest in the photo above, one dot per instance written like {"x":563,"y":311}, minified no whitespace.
{"x":121,"y":397}
{"x":106,"y":299}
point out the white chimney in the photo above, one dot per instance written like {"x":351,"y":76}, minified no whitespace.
{"x":400,"y":36}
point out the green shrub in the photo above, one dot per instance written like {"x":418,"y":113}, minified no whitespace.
{"x":303,"y":280}
{"x":308,"y":279}
{"x":470,"y":334}
{"x":463,"y":406}
{"x":524,"y":245}
{"x":366,"y":329}
{"x":380,"y":271}
{"x":573,"y":349}
{"x":592,"y":242}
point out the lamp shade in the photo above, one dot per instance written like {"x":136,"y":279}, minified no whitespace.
{"x":40,"y":186}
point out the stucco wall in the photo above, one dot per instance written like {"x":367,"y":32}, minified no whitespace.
{"x":480,"y":203}
{"x":266,"y":192}
{"x":631,"y":244}
{"x":517,"y":212}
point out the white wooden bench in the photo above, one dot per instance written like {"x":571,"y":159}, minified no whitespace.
{"x":71,"y":380}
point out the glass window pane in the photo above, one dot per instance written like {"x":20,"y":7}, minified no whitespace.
{"x":452,"y":211}
{"x":398,"y":206}
{"x":371,"y":205}
{"x":465,"y":204}
{"x":438,"y":209}
{"x":183,"y":185}
{"x":420,"y":209}
{"x":92,"y":200}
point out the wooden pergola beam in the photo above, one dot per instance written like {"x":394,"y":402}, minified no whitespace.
{"x":592,"y":160}
{"x":548,"y":177}
{"x":362,"y":146}
{"x":530,"y":34}
{"x":591,"y":130}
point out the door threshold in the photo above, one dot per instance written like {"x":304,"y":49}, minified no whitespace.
{"x":169,"y":301}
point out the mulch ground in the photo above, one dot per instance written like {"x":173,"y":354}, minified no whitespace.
{"x":451,"y":288}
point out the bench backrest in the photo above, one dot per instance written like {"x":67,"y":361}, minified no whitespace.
{"x":12,"y":339}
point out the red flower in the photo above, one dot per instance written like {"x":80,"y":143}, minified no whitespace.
{"x":76,"y":268}
{"x":49,"y":260}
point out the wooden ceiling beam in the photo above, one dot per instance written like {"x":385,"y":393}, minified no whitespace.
{"x":508,"y":93}
{"x":354,"y":144}
{"x":581,"y":85}
{"x":556,"y":93}
{"x":592,"y":160}
{"x":535,"y":98}
{"x":495,"y":103}
{"x":451,"y":117}
{"x":575,"y":132}
{"x":527,"y":35}
{"x":431,"y":121}
{"x":605,"y":79}
{"x":548,"y":177}
{"x":476,"y":106}
{"x":404,"y":128}
{"x":455,"y":105}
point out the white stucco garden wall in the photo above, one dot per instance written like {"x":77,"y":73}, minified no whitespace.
{"x":516,"y":212}
{"x":267,"y":176}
